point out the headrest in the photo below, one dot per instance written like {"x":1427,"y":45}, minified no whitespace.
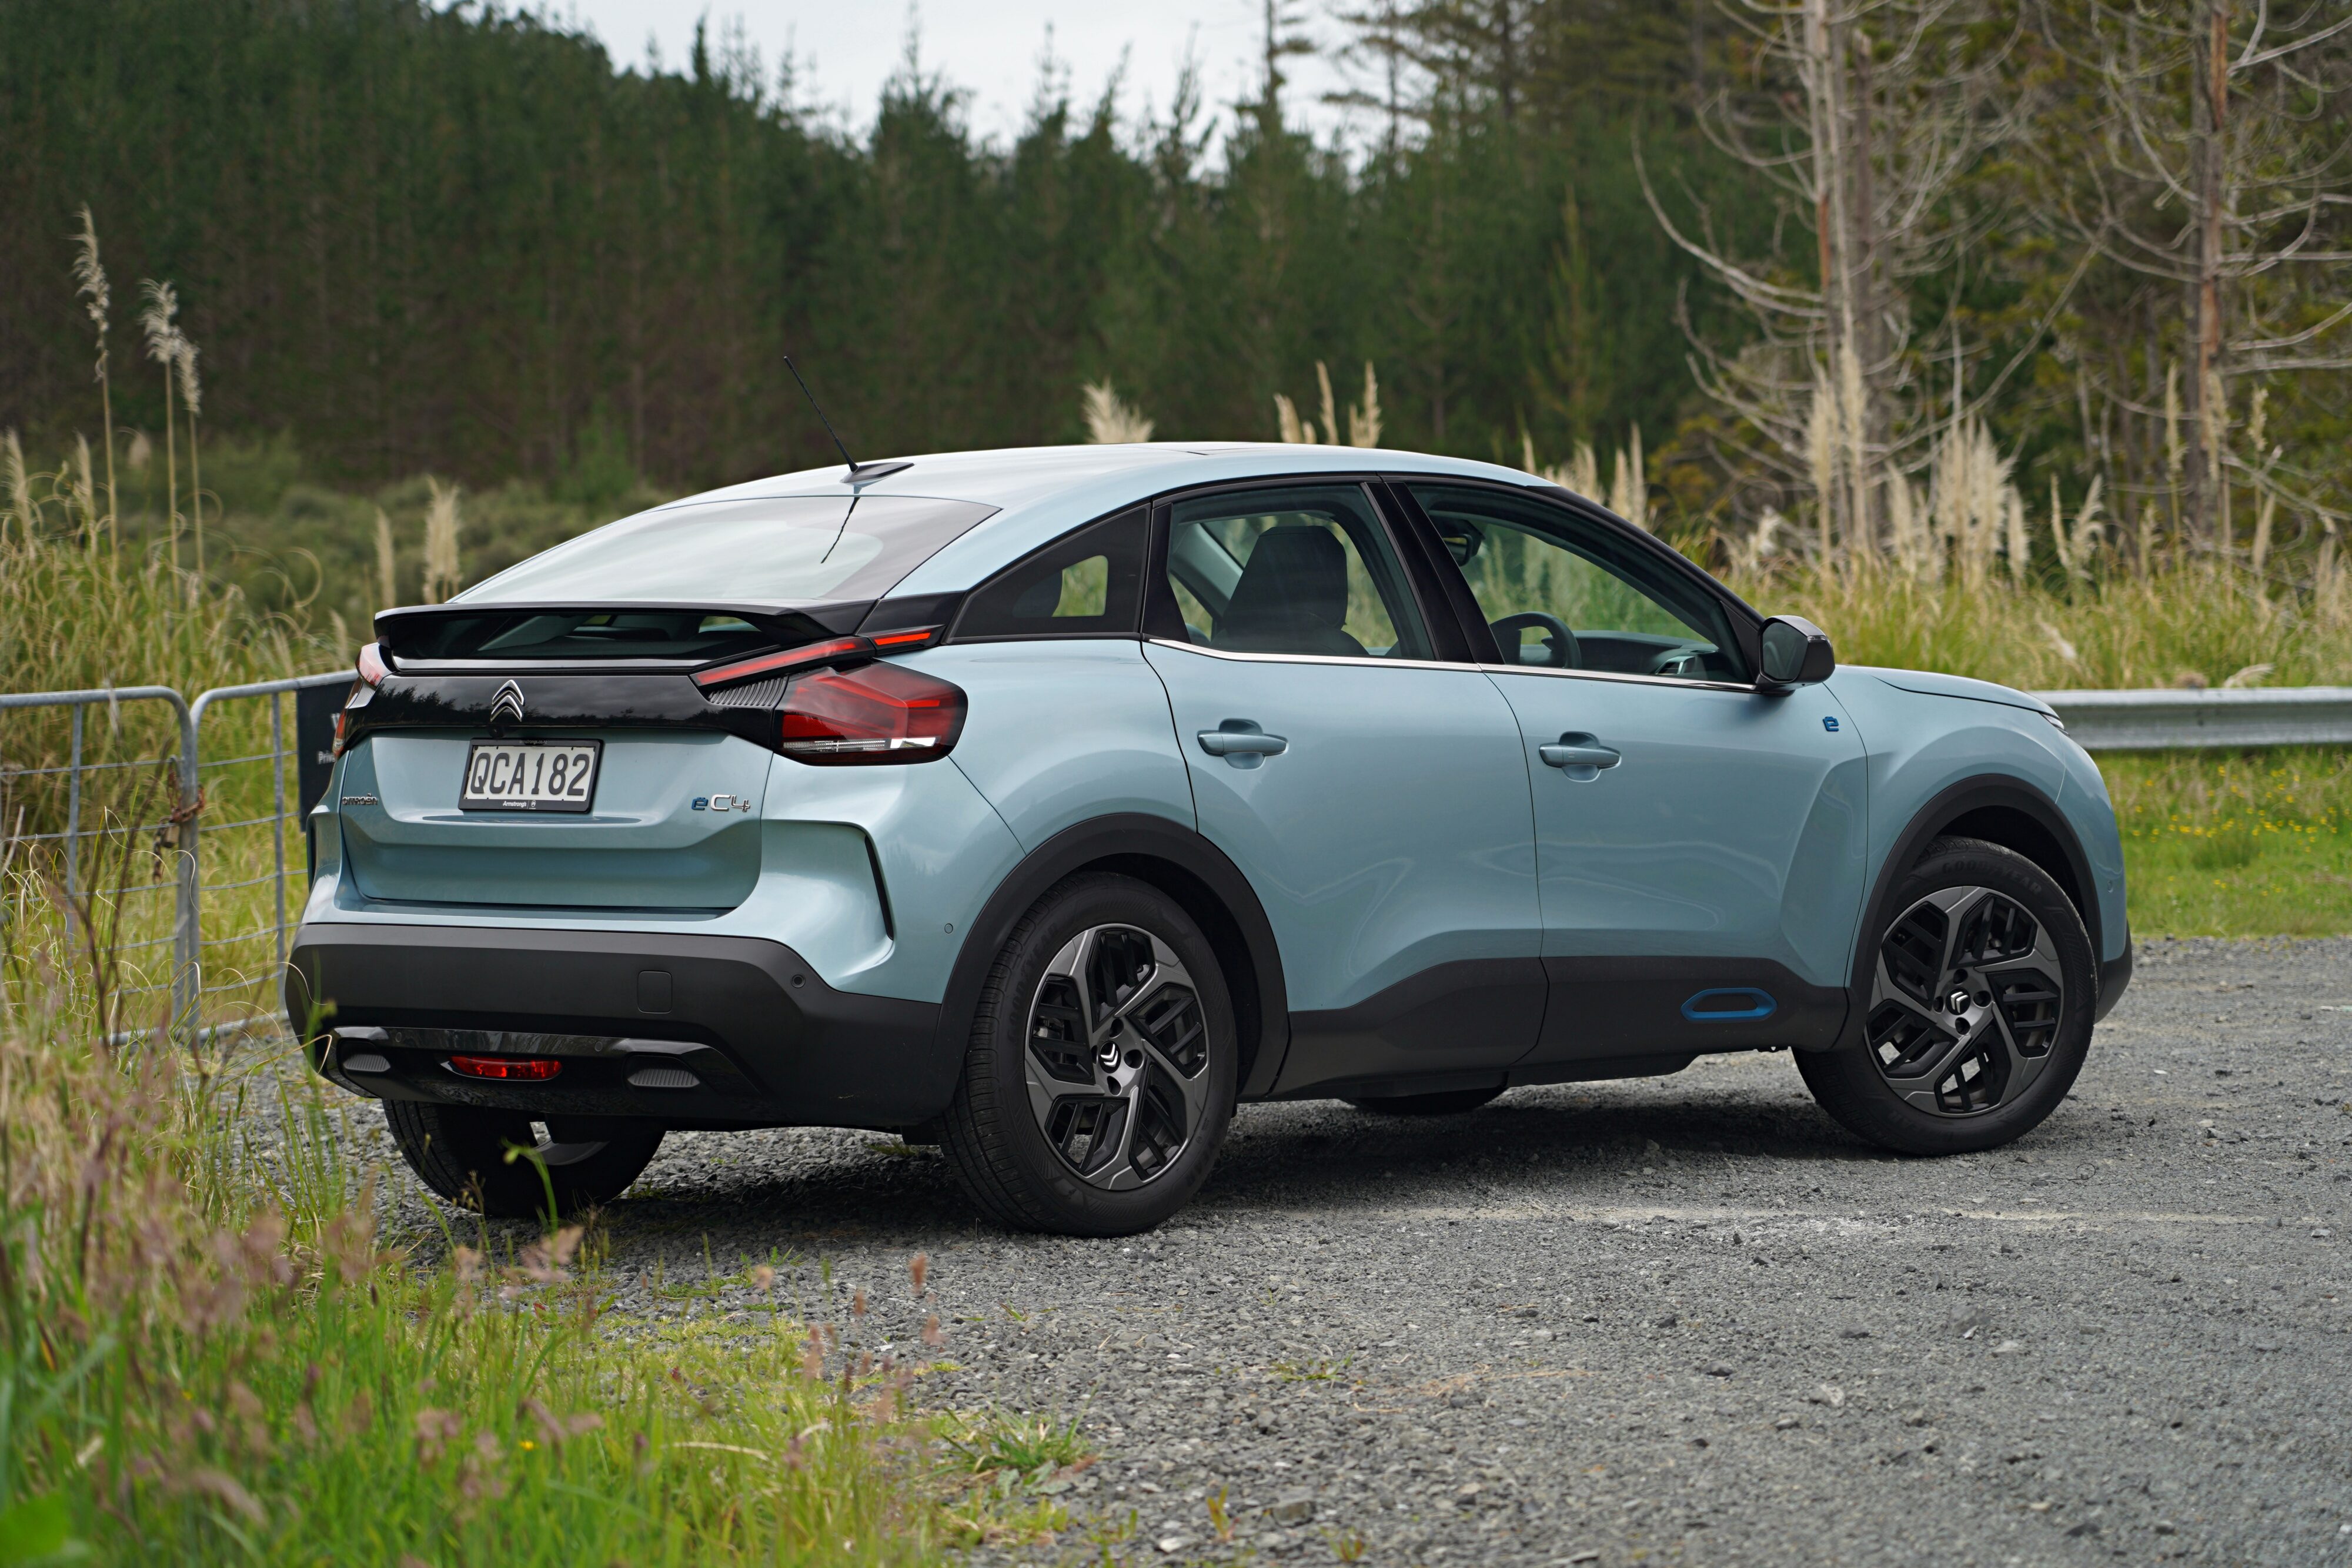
{"x":1296,"y":575}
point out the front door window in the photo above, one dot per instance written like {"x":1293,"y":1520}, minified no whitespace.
{"x":1564,"y":594}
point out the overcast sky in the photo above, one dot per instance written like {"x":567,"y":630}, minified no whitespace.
{"x":993,"y":48}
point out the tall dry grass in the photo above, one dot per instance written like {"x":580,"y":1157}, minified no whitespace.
{"x":1364,"y":416}
{"x":443,"y":575}
{"x":1112,"y":420}
{"x":2197,"y":624}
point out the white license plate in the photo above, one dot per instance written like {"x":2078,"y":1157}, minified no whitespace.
{"x":529,"y":776}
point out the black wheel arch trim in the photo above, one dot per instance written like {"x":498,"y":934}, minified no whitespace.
{"x":1181,"y":863}
{"x":1949,"y":806}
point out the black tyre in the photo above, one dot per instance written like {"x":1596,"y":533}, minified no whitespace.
{"x":1980,"y":1008}
{"x":1101,"y":1073}
{"x":1450,"y":1102}
{"x":461,"y":1152}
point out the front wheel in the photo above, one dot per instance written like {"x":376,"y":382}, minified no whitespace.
{"x":1982,"y":986}
{"x":1101,"y":1073}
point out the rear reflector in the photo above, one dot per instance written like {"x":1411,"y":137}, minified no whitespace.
{"x":527,"y":1068}
{"x":875,"y":713}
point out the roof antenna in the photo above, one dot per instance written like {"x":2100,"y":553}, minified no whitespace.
{"x":859,"y":472}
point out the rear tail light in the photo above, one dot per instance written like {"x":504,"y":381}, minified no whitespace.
{"x":525,"y":1069}
{"x":791,"y":659}
{"x":838,"y":649}
{"x":372,"y":672}
{"x":875,"y":713}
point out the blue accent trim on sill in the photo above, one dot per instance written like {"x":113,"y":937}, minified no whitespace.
{"x":1762,"y":1006}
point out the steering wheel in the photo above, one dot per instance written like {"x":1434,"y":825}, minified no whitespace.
{"x":1565,"y":653}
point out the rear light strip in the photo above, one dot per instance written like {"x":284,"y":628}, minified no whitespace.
{"x":828,"y":652}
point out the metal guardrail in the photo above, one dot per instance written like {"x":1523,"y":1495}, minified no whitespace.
{"x":187,"y":769}
{"x":2164,"y":720}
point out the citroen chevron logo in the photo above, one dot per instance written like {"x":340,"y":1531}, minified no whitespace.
{"x":506,"y":707}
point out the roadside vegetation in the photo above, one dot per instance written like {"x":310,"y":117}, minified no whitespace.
{"x":209,"y":1353}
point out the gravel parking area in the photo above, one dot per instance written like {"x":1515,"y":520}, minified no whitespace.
{"x":1674,"y":1320}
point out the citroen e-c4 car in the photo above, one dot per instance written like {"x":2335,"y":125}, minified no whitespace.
{"x":1046,"y":804}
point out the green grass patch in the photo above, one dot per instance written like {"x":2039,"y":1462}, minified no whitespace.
{"x":2236,"y":844}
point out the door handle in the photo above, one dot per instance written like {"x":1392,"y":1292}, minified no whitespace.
{"x":1242,"y":743}
{"x":1579,"y":756}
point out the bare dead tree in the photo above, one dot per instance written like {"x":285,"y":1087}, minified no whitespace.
{"x":2219,"y":166}
{"x":1867,"y":114}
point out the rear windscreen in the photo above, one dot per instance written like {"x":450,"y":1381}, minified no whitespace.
{"x":491,"y":634}
{"x":794,"y":549}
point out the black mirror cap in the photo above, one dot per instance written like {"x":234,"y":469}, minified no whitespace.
{"x":1795,"y":652}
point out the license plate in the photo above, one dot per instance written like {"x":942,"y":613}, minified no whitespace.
{"x":529,"y":776}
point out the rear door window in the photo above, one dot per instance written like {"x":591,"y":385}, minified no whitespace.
{"x":1306,"y":570}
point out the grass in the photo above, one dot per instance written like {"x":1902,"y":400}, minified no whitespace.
{"x":2236,"y":844}
{"x":206,"y":1354}
{"x":2193,"y":625}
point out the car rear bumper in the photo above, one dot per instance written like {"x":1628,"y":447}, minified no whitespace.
{"x":632,"y":1016}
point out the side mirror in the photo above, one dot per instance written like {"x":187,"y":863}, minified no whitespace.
{"x":1796,"y":653}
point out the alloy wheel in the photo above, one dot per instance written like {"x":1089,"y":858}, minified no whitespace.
{"x":1966,"y":1001}
{"x":1117,"y":1057}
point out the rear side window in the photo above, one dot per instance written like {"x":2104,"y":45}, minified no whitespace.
{"x":790,"y":549}
{"x":1086,"y":584}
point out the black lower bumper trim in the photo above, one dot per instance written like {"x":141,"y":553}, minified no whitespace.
{"x":768,"y":1042}
{"x":2114,"y":975}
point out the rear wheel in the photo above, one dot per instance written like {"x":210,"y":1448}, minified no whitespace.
{"x":461,"y":1152}
{"x":1450,"y":1102}
{"x":1982,"y":987}
{"x":1099,"y":1077}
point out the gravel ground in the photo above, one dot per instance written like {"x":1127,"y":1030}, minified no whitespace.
{"x":1676,"y":1320}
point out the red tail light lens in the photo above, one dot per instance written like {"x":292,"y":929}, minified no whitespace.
{"x":527,"y":1068}
{"x":372,"y":672}
{"x":876,"y":713}
{"x":791,"y":659}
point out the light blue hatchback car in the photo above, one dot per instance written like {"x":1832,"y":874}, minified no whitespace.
{"x":1045,"y":804}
